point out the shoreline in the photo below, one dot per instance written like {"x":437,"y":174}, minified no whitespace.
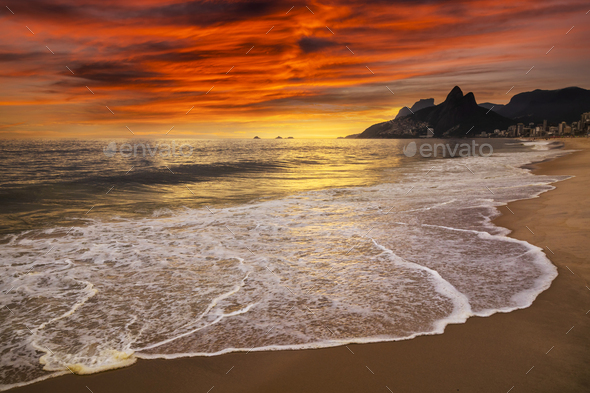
{"x":483,"y":354}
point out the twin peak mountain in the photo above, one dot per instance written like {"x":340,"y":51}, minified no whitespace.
{"x":460,"y":114}
{"x":455,"y":116}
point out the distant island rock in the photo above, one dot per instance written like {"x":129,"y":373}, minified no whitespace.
{"x":290,"y":137}
{"x":421,"y":104}
{"x":456,"y":116}
{"x":278,"y":137}
{"x":256,"y":137}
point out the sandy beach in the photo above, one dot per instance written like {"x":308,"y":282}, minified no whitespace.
{"x":543,"y":348}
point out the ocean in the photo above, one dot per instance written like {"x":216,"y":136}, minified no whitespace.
{"x":251,"y":245}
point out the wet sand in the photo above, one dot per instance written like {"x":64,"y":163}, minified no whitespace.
{"x":490,"y":354}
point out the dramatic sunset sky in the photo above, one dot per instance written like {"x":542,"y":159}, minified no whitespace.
{"x":270,"y":68}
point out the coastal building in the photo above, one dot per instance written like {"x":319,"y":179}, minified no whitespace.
{"x":545,"y":126}
{"x":511,"y":131}
{"x":519,"y":129}
{"x":584,"y":123}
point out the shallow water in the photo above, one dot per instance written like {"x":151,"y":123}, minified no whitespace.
{"x":254,"y":246}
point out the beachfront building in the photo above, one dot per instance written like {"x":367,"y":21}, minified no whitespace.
{"x":511,"y":131}
{"x":584,"y":124}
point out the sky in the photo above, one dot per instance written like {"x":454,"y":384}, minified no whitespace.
{"x":236,"y":69}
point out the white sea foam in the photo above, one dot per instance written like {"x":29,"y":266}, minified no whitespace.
{"x":317,"y":269}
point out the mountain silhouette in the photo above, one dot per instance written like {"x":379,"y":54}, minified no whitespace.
{"x":552,"y":105}
{"x":458,"y":115}
{"x":421,"y":104}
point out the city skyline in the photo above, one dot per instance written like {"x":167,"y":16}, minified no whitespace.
{"x":236,"y":69}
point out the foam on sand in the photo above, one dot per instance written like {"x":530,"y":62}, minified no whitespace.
{"x":316,"y":269}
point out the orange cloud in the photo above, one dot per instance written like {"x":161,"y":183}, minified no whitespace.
{"x":258,"y":67}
